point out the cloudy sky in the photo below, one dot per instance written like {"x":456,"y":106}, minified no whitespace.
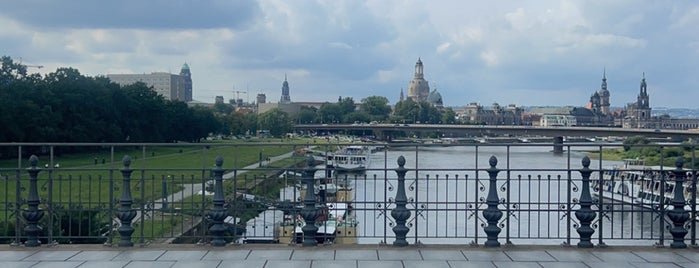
{"x":510,"y":52}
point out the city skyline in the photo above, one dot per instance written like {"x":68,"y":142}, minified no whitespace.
{"x":526,"y":53}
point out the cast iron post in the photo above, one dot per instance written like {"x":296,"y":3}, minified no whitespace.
{"x":218,"y":213}
{"x":309,"y":211}
{"x":678,"y":215}
{"x":125,"y":213}
{"x":492,"y":214}
{"x":585,"y":214}
{"x":33,"y":214}
{"x":400,"y":213}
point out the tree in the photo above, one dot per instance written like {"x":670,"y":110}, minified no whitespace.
{"x":449,"y":116}
{"x":276,"y":121}
{"x":376,"y":107}
{"x":358,"y":116}
{"x":407,"y":111}
{"x":330,"y":113}
{"x":307,"y":115}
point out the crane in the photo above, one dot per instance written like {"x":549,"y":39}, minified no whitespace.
{"x":237,"y":92}
{"x":29,"y":66}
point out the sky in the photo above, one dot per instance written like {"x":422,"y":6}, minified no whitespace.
{"x":528,"y":53}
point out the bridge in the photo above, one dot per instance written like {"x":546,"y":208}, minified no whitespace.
{"x":500,"y":130}
{"x":388,"y":131}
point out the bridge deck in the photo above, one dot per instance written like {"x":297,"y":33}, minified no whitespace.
{"x":252,"y":256}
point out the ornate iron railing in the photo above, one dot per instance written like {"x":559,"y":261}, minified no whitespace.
{"x":219,"y":193}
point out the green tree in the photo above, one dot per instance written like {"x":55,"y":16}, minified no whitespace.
{"x":407,"y":111}
{"x":376,"y":107}
{"x":276,"y":121}
{"x":449,"y":117}
{"x":330,"y":113}
{"x":307,"y":115}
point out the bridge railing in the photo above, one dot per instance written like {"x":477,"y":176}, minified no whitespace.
{"x":471,"y":194}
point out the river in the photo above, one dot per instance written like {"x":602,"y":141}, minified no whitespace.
{"x":448,"y":196}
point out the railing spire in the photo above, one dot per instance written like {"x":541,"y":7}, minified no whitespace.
{"x":678,"y":215}
{"x":125,"y":213}
{"x":33,"y":214}
{"x":400,"y":213}
{"x":309,"y":211}
{"x":218,"y":213}
{"x":585,"y":214}
{"x":492,"y":214}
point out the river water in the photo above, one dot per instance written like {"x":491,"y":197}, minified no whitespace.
{"x":447,"y":188}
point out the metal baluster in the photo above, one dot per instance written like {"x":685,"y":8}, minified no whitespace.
{"x":585,"y":214}
{"x":33,"y":214}
{"x":218,"y":213}
{"x":309,"y":211}
{"x":492,"y":214}
{"x":678,"y":215}
{"x":400,"y":213}
{"x":125,"y":213}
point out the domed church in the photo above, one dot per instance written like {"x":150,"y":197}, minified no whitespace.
{"x":418,"y":89}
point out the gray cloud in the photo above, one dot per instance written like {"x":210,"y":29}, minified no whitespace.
{"x":155,"y":14}
{"x":524,"y":52}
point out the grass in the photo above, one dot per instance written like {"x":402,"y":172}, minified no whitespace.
{"x":77,"y":179}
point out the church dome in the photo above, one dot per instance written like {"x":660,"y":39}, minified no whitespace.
{"x":435,"y":98}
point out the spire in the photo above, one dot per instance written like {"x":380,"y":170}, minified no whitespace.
{"x":604,"y":79}
{"x":418,"y":69}
{"x":284,"y":76}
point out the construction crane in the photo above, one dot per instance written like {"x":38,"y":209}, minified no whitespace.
{"x":237,"y":92}
{"x":29,"y":66}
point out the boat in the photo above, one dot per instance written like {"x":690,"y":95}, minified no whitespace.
{"x":336,"y":221}
{"x":351,"y":159}
{"x":635,"y":183}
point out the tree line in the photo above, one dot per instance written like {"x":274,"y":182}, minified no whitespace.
{"x":66,"y":106}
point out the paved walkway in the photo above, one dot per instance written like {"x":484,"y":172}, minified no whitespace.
{"x":356,"y":256}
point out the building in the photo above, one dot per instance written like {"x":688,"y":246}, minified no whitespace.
{"x":557,"y":120}
{"x":419,"y":88}
{"x":170,"y":86}
{"x":184,"y":72}
{"x":638,"y":113}
{"x":474,"y":113}
{"x":284,"y":103}
{"x":286,"y":99}
{"x":599,"y":101}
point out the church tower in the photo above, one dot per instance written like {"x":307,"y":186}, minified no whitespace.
{"x":187,"y":82}
{"x":604,"y":95}
{"x":642,"y":101}
{"x":418,"y":89}
{"x":285,"y":92}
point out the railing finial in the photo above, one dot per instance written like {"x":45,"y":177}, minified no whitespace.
{"x":218,"y":213}
{"x":678,"y":215}
{"x":33,"y":214}
{"x":400,"y":213}
{"x":585,"y":214}
{"x":492,"y":214}
{"x":125,"y":213}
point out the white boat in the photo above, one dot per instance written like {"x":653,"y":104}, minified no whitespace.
{"x":353,"y":158}
{"x":637,"y":184}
